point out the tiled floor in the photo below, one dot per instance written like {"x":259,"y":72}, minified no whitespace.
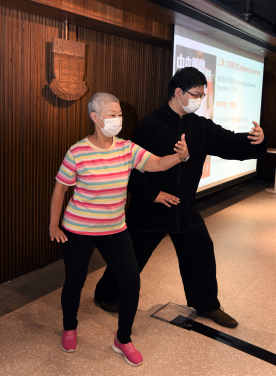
{"x":245,"y":247}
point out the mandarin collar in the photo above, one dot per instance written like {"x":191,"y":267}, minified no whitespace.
{"x":171,"y":112}
{"x":175,"y":115}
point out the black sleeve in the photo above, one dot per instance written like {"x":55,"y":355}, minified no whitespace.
{"x":139,"y":185}
{"x":229,"y":145}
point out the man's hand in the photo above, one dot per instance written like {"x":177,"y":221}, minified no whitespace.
{"x":166,"y":199}
{"x":257,"y":134}
{"x":56,"y":233}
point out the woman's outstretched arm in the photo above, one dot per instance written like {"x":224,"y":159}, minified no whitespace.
{"x":155,"y":164}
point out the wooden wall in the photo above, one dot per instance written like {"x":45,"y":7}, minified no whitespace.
{"x":37,"y":128}
{"x":127,"y":18}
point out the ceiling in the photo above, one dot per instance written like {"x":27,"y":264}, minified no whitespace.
{"x":263,"y":12}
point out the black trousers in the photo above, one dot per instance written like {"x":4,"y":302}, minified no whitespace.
{"x":117,"y":251}
{"x":197,"y":266}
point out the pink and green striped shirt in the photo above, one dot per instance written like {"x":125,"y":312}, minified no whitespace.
{"x":100,"y":177}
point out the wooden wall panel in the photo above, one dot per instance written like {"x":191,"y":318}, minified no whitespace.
{"x":37,"y":128}
{"x":98,"y":16}
{"x":123,"y":17}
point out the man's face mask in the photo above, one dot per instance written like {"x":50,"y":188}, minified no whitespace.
{"x":192,"y":106}
{"x":111,"y":126}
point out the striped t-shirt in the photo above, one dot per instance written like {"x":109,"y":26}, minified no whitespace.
{"x":100,"y":177}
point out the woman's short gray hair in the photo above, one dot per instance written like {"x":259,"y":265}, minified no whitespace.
{"x":97,"y":101}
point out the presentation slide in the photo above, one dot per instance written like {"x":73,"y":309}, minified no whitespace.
{"x":234,"y":93}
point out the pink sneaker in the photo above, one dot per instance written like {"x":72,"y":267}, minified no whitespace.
{"x":131,"y":355}
{"x":69,"y":341}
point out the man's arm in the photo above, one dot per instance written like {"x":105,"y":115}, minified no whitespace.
{"x":240,"y":146}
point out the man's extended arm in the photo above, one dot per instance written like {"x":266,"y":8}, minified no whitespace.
{"x":239,"y":146}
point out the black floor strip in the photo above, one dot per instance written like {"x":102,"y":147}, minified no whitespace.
{"x":188,"y":324}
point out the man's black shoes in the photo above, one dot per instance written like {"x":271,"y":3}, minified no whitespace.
{"x":220,"y":317}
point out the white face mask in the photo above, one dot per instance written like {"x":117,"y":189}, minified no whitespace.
{"x":111,"y":126}
{"x":193,"y":105}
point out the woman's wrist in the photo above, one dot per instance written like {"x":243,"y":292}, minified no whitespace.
{"x":185,"y":159}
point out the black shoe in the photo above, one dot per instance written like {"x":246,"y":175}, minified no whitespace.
{"x":106,"y":306}
{"x":220,"y":318}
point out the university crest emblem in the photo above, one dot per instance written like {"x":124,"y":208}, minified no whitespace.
{"x":69,"y":66}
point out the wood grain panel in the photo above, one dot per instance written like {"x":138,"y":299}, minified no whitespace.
{"x":98,"y":16}
{"x":37,"y":128}
{"x":156,"y":11}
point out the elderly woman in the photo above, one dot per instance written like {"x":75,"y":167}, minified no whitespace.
{"x":99,"y":167}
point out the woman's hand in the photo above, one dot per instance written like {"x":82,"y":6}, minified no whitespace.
{"x":155,"y":163}
{"x":56,"y":233}
{"x":181,"y":148}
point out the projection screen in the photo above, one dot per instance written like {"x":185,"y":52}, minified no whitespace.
{"x":234,"y":93}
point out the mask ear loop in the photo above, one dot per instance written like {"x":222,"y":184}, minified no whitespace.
{"x":180,"y":100}
{"x":99,"y":116}
{"x":185,"y":95}
{"x":101,"y":119}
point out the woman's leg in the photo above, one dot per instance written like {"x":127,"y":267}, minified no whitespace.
{"x":144,"y":243}
{"x":76,"y":253}
{"x":117,"y":251}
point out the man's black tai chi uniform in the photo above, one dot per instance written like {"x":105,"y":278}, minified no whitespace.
{"x":149,"y":222}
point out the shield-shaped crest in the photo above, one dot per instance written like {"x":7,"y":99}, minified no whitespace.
{"x":69,"y":66}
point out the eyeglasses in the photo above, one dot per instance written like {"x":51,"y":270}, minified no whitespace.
{"x":201,"y":96}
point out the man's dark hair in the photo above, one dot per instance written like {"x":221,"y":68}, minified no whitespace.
{"x":186,"y":79}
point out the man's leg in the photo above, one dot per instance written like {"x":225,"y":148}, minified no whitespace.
{"x":197,"y":264}
{"x":144,"y":243}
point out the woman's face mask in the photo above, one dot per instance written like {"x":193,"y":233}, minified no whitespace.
{"x":192,"y":106}
{"x":111,"y":126}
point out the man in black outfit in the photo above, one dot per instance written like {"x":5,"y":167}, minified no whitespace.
{"x":164,"y":202}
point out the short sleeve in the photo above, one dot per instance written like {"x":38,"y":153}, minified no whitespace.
{"x":139,"y":156}
{"x":67,"y":173}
